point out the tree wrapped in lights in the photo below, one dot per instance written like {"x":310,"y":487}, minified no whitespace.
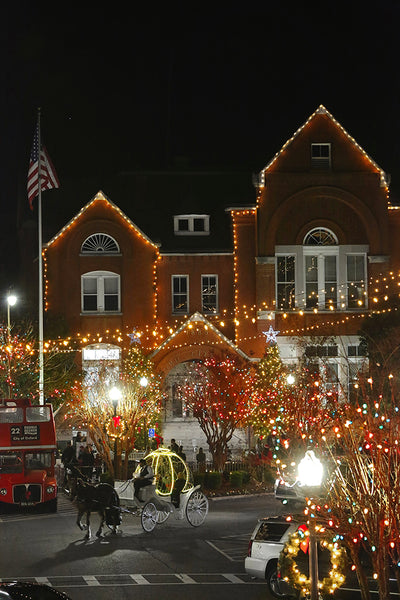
{"x":119,"y":426}
{"x":221,"y":397}
{"x":19,"y":367}
{"x":359,"y":440}
{"x":364,"y":488}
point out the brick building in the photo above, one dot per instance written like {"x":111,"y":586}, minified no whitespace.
{"x":200,"y":263}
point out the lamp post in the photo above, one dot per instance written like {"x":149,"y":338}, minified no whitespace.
{"x":11,"y":301}
{"x":115,"y":397}
{"x":144,"y":382}
{"x":310,"y":472}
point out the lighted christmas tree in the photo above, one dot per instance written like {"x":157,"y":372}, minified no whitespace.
{"x":273,"y":393}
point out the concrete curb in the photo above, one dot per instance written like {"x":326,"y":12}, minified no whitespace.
{"x":234,"y":497}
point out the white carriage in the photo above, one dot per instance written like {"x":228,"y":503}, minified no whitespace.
{"x":172,"y":492}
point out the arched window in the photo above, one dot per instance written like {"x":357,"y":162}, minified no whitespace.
{"x":100,"y":292}
{"x":100,"y":243}
{"x":320,"y":237}
{"x":321,"y":273}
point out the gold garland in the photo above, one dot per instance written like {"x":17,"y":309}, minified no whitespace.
{"x":292,"y":574}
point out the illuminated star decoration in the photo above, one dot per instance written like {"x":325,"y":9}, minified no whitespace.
{"x":134,"y":337}
{"x":271,"y":335}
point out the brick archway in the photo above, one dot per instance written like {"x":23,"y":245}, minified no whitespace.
{"x":185,"y":353}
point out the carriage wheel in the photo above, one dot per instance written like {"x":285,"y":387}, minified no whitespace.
{"x":196,"y":508}
{"x":149,"y":517}
{"x":162,"y":516}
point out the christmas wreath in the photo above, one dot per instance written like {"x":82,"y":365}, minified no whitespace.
{"x":116,"y":427}
{"x":291,"y":573}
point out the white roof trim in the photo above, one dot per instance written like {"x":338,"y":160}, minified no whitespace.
{"x":196,"y":317}
{"x":101,"y":196}
{"x":321,"y":110}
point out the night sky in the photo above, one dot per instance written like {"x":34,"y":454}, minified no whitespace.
{"x":223,"y":86}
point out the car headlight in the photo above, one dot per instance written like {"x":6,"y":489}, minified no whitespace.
{"x":50,"y":489}
{"x":3,"y":491}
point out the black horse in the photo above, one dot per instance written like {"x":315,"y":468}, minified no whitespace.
{"x":101,"y":498}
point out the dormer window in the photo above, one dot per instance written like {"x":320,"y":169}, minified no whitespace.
{"x":192,"y":224}
{"x":321,"y":156}
{"x":99,"y":243}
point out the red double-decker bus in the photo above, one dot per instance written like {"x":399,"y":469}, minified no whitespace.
{"x":27,"y":454}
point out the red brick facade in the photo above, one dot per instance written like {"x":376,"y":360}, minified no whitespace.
{"x":320,"y":181}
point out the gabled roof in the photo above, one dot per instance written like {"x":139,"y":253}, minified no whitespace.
{"x":152,"y":198}
{"x":321,"y":110}
{"x":188,"y":324}
{"x":102,"y":198}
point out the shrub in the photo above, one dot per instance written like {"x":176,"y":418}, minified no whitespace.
{"x":198,"y":479}
{"x":236,"y":479}
{"x":213,"y":480}
{"x":246,"y":477}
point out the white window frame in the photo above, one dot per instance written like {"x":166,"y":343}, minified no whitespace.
{"x":285,"y":283}
{"x":317,"y":158}
{"x":360,"y":304}
{"x":191,"y":221}
{"x":174,"y":294}
{"x":99,"y":277}
{"x":341,"y":251}
{"x":320,"y":252}
{"x":209,"y":294}
{"x":100,"y":243}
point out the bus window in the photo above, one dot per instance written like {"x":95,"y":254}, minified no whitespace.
{"x":37,"y":460}
{"x":10,"y":462}
{"x":11,"y":415}
{"x":37,"y":414}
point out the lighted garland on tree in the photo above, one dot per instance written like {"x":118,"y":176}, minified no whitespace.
{"x":298,"y":580}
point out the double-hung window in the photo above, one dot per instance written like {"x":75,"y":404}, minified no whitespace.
{"x":285,"y":282}
{"x":356,"y":293}
{"x":209,"y":294}
{"x":321,"y":280}
{"x":321,"y":274}
{"x":320,"y":260}
{"x":100,"y":292}
{"x":180,"y":294}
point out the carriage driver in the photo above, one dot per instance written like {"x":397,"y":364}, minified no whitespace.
{"x":145,"y":477}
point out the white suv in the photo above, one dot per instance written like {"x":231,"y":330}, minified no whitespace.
{"x":266,"y":542}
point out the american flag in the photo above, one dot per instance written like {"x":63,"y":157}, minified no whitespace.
{"x":48,"y":175}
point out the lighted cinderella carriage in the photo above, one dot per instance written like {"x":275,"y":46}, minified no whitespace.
{"x":172,"y":492}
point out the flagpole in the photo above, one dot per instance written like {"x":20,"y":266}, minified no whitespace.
{"x":41,"y":366}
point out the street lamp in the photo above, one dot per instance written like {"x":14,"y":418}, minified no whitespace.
{"x":11,"y":301}
{"x":144,"y":382}
{"x":310,"y":472}
{"x":115,"y":397}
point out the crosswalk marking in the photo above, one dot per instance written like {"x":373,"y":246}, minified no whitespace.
{"x":90,"y":580}
{"x":122,"y":580}
{"x":185,"y":578}
{"x":232,"y":578}
{"x":139,"y":579}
